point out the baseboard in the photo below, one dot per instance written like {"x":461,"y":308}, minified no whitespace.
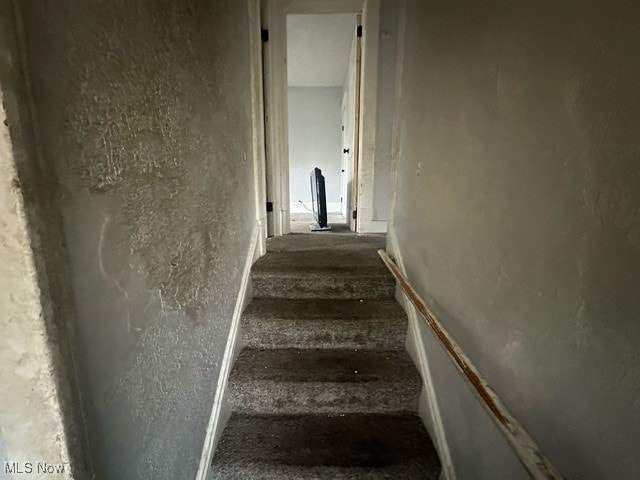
{"x":220,"y":414}
{"x":306,"y":207}
{"x":417,"y":350}
{"x":373,"y":226}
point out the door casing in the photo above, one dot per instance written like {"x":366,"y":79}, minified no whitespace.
{"x":274,"y":19}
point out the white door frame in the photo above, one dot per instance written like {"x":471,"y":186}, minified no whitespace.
{"x":257,"y":122}
{"x":344,"y":157}
{"x":274,"y":18}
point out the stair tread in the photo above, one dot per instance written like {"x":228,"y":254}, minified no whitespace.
{"x":322,"y":446}
{"x":357,"y":262}
{"x":323,"y":365}
{"x":321,"y":323}
{"x":334,"y":395}
{"x":307,"y":242}
{"x":336,"y":275}
{"x":323,"y":309}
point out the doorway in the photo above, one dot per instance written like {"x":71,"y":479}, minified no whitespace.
{"x":298,"y":134}
{"x":322,"y":105}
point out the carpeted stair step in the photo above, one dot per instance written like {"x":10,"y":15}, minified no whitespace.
{"x":323,"y":388}
{"x":320,"y":323}
{"x":353,"y":447}
{"x":329,"y":274}
{"x":306,"y":243}
{"x":323,"y":381}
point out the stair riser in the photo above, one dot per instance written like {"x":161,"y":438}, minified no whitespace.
{"x":330,"y":287}
{"x":324,"y":398}
{"x":360,"y":334}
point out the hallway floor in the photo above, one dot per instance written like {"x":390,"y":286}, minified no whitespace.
{"x":300,"y":223}
{"x":323,"y":387}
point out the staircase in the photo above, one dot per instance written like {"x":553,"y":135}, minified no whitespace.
{"x":323,"y":388}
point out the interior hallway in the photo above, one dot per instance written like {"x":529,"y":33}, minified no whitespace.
{"x":300,"y":223}
{"x":133,"y":208}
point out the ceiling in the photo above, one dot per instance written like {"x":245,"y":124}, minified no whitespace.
{"x":318,"y":48}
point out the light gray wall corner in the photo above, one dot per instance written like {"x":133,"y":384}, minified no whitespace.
{"x":36,"y":205}
{"x":389,"y":34}
{"x":31,"y":413}
{"x":397,"y":111}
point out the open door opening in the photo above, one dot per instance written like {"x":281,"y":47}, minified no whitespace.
{"x":351,"y":129}
{"x":305,"y":44}
{"x":322,"y":107}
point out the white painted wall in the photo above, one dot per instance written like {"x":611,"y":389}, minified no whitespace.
{"x":318,"y":47}
{"x":315,"y":140}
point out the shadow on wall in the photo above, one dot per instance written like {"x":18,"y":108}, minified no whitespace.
{"x":528,"y":234}
{"x":143,"y":115}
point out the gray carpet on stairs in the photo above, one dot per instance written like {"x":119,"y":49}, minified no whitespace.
{"x":323,"y":388}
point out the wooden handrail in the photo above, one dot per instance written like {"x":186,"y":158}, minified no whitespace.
{"x":533,"y":460}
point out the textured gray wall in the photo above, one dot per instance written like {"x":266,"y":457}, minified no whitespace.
{"x":385,"y":109}
{"x":315,"y":140}
{"x":143,"y":110}
{"x":518,"y":216}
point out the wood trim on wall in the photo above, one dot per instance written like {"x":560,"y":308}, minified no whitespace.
{"x":355,"y":175}
{"x":368,"y":119}
{"x":276,"y":118}
{"x":529,"y":454}
{"x":257,"y":121}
